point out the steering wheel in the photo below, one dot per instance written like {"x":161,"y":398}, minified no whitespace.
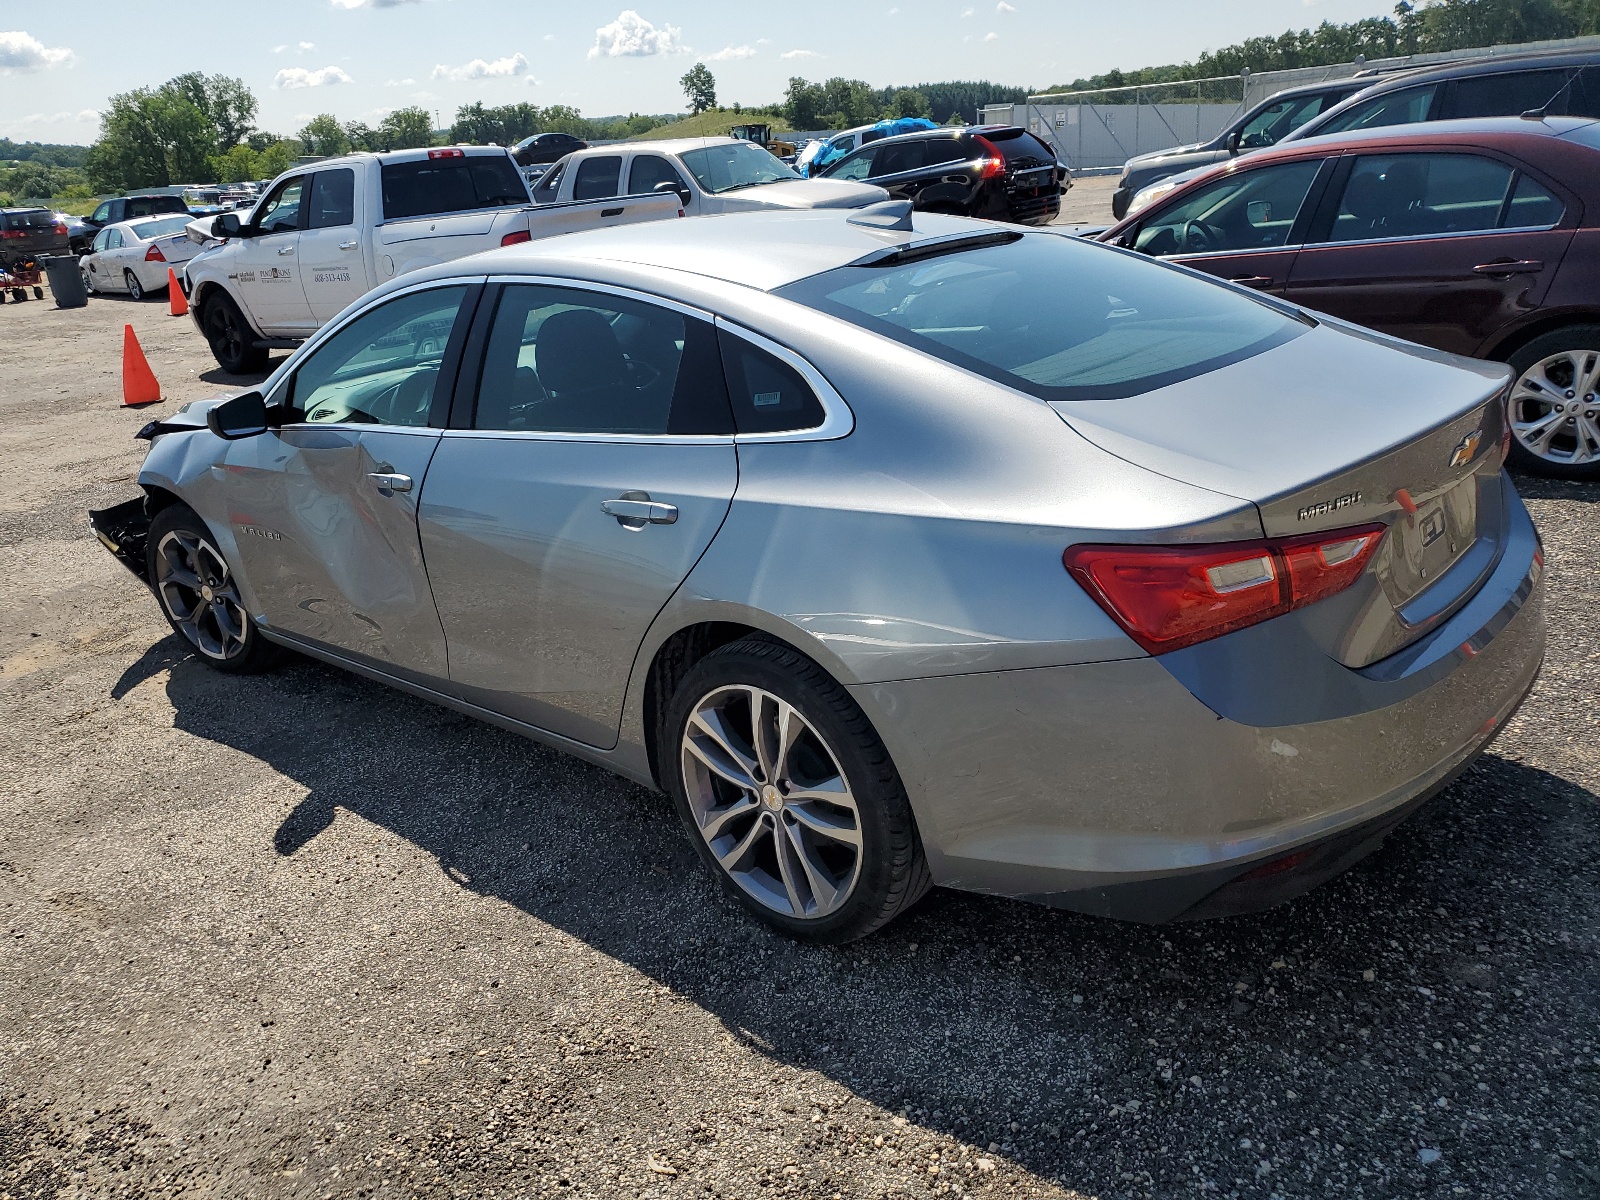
{"x":1195,"y":238}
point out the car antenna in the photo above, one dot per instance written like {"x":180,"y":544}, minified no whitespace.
{"x":886,"y":214}
{"x":1538,"y":114}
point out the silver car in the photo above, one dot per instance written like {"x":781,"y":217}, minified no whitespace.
{"x":948,"y":554}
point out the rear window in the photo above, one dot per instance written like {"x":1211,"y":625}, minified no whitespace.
{"x":1056,"y":317}
{"x":160,"y":228}
{"x":432,"y":186}
{"x":33,"y":218}
{"x":144,"y":206}
{"x":1021,"y":149}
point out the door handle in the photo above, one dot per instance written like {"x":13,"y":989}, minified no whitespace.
{"x":635,"y":510}
{"x":286,"y":250}
{"x":348,"y":245}
{"x":1506,"y":266}
{"x":610,"y":212}
{"x":389,"y":481}
{"x":1253,"y":281}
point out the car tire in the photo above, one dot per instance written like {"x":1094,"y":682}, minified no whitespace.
{"x":1560,"y":369}
{"x":199,"y":594}
{"x":231,"y":339}
{"x":135,"y":288}
{"x":88,"y":279}
{"x":821,"y":843}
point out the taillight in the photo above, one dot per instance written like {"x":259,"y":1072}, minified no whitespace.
{"x":993,"y":162}
{"x":154,"y":254}
{"x":61,"y":228}
{"x":13,"y":233}
{"x":511,"y":239}
{"x":447,"y":152}
{"x":1168,"y":597}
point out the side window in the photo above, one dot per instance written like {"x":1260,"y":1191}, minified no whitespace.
{"x":565,"y":360}
{"x":895,"y":157}
{"x":1532,"y":207}
{"x":281,"y":212}
{"x":857,"y":166}
{"x":1414,"y":195}
{"x":381,"y":368}
{"x":598,"y":178}
{"x":768,"y":395}
{"x":114,"y":239}
{"x":1248,"y":210}
{"x":102,"y":214}
{"x":1508,"y":94}
{"x":549,"y":186}
{"x":1405,"y":107}
{"x":102,"y":241}
{"x":333,"y":198}
{"x":948,"y":149}
{"x":650,"y":171}
{"x":1267,"y":127}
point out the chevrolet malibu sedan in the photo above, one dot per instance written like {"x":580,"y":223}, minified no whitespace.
{"x":134,"y":256}
{"x":893,"y":561}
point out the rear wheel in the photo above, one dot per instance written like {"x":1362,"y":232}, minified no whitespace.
{"x":231,"y":339}
{"x":88,"y":279}
{"x":199,"y":595}
{"x":1554,"y":406}
{"x":789,"y":795}
{"x":135,"y":288}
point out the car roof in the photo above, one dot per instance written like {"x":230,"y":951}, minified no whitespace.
{"x":1495,"y":65}
{"x":761,"y":250}
{"x":1466,"y":128}
{"x":661,"y":145}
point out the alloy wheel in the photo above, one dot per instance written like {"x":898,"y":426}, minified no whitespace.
{"x":199,"y":594}
{"x":1555,"y":408}
{"x":771,"y":801}
{"x":135,"y":288}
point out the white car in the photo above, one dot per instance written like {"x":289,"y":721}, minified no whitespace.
{"x":709,"y":175}
{"x":134,"y":256}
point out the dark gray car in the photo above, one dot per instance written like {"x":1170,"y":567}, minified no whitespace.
{"x":893,"y":561}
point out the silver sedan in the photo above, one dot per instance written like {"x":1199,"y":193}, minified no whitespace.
{"x":897,"y":554}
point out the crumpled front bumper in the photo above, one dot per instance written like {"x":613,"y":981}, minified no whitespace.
{"x":124,"y":529}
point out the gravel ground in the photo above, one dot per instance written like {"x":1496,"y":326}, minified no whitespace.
{"x":301,"y":936}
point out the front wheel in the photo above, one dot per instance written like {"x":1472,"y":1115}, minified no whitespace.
{"x":88,"y":279}
{"x":199,"y":595}
{"x":231,"y":339}
{"x":1554,"y":406}
{"x":135,"y":288}
{"x":789,"y":795}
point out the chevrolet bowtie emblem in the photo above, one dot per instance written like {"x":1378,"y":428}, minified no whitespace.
{"x":1466,"y":448}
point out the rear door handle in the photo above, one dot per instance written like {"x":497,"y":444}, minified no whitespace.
{"x":1253,"y":281}
{"x":389,"y":481}
{"x":1506,"y":266}
{"x":610,"y":212}
{"x":635,"y":510}
{"x":348,"y":245}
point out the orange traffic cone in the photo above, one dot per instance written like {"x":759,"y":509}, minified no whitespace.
{"x":176,"y":304}
{"x":139,"y":386}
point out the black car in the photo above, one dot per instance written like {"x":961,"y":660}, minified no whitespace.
{"x":123,"y":208}
{"x":28,"y":234}
{"x":998,"y":172}
{"x":545,"y":148}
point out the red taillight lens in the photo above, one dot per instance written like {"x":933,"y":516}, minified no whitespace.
{"x":154,"y":254}
{"x":993,"y":163}
{"x":447,"y":152}
{"x":12,"y":233}
{"x":1168,"y":597}
{"x":512,"y":239}
{"x":61,"y":228}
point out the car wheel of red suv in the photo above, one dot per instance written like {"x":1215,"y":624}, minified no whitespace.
{"x":1554,"y":405}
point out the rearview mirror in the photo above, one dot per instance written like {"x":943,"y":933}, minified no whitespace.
{"x":666,"y":185}
{"x":240,"y":417}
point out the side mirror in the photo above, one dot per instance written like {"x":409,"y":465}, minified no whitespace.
{"x":228,"y":225}
{"x":241,"y":417}
{"x":666,"y":185}
{"x":1234,"y":139}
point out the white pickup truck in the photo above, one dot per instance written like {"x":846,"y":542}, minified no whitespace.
{"x":325,"y":234}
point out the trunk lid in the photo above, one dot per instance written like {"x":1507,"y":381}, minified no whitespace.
{"x":1335,"y":429}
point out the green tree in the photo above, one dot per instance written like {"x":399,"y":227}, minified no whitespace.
{"x":152,"y":137}
{"x":802,"y":104}
{"x":227,"y":103}
{"x":276,"y":158}
{"x":362,"y":136}
{"x":324,"y":135}
{"x":908,"y":102}
{"x":406,"y":129}
{"x":240,"y":162}
{"x":700,"y":88}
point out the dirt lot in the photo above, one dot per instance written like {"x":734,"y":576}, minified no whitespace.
{"x":300,"y":936}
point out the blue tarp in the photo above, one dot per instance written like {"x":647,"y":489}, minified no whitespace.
{"x":831,"y":154}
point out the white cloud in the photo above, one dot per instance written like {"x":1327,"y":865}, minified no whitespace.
{"x":21,"y":51}
{"x":306,"y":47}
{"x":500,"y":68}
{"x":763,"y":41}
{"x":89,"y":114}
{"x":967,"y":12}
{"x":727,"y":53}
{"x":299,"y":77}
{"x":1003,"y":7}
{"x":631,"y":36}
{"x":799,"y":54}
{"x":407,"y":82}
{"x":991,"y":36}
{"x":370,"y":3}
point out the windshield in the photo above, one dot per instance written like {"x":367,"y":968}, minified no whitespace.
{"x":145,"y":230}
{"x":1057,"y":317}
{"x":734,"y":165}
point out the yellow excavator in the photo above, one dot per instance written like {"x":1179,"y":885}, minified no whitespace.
{"x":761,"y":135}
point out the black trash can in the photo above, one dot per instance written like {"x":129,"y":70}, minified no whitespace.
{"x":66,"y":281}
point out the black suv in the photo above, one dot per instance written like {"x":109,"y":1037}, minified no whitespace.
{"x":124,"y":208}
{"x":542,"y":149}
{"x":998,"y":172}
{"x":29,"y":233}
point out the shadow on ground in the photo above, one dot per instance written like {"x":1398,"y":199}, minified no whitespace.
{"x":993,"y":1021}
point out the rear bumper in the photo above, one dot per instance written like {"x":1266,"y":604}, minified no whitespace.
{"x":1111,"y":788}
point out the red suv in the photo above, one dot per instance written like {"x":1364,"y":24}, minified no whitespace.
{"x":1479,"y":237}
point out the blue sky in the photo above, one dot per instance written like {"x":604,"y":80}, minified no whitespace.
{"x":360,"y":58}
